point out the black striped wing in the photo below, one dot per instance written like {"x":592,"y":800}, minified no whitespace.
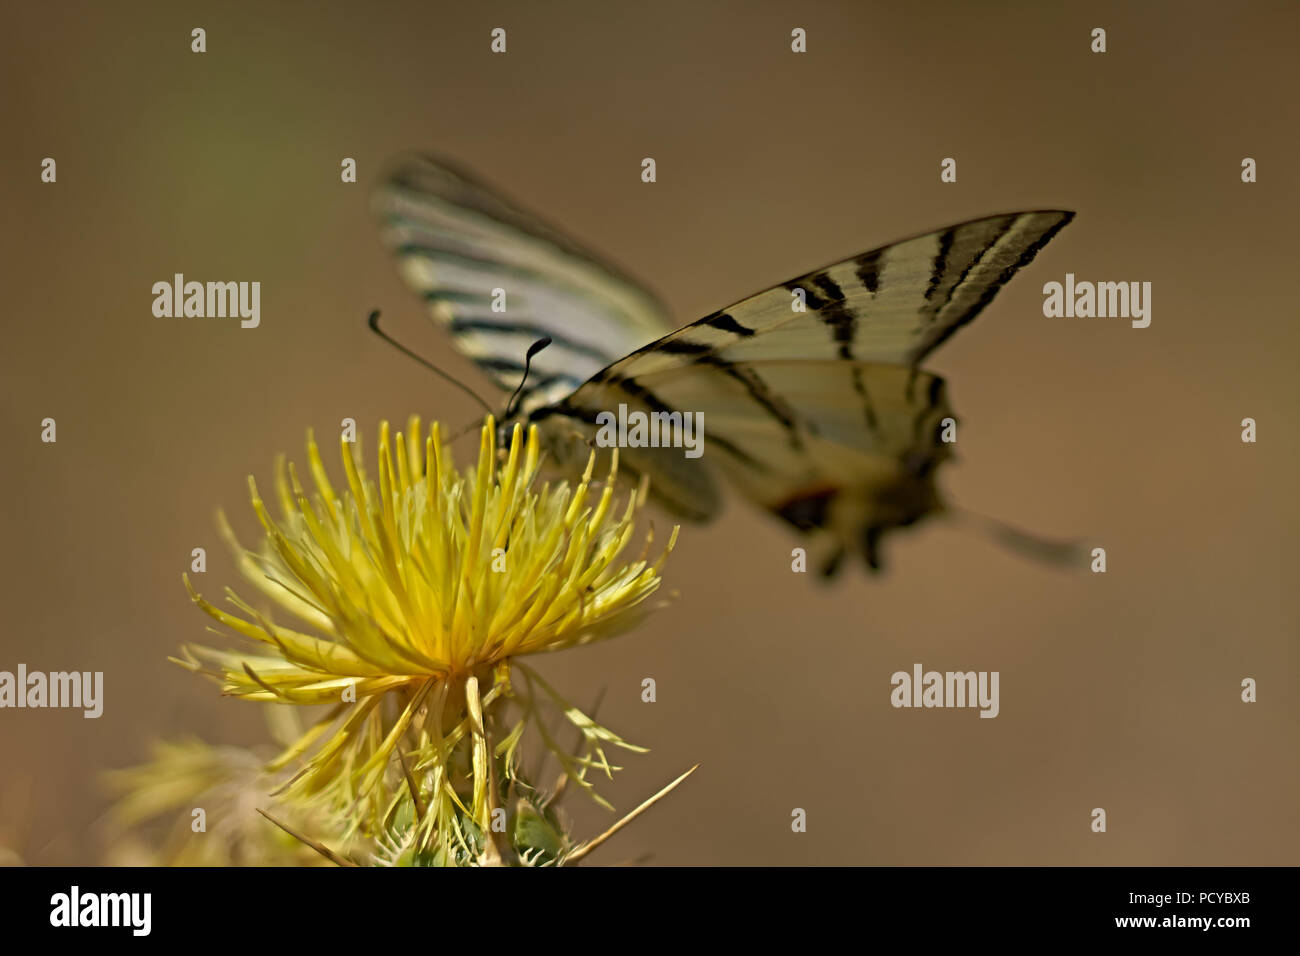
{"x":458,"y":241}
{"x":894,"y":304}
{"x":821,"y":416}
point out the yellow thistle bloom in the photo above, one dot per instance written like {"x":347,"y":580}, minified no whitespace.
{"x":416,"y":589}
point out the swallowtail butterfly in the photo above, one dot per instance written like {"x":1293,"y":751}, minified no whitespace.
{"x":820,"y":416}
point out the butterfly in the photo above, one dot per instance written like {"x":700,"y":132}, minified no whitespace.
{"x":814,"y":406}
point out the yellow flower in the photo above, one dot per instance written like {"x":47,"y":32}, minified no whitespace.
{"x":417,"y":588}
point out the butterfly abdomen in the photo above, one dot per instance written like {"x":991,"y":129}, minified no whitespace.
{"x":856,"y":518}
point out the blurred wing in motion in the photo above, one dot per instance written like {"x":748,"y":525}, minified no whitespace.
{"x":499,"y":279}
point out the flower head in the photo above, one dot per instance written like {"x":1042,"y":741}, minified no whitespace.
{"x":413,"y":590}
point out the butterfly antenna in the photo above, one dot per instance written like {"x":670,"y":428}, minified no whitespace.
{"x":1046,"y":550}
{"x":373,"y":322}
{"x":528,"y":361}
{"x":510,"y":406}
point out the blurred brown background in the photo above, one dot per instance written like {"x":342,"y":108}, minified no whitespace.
{"x":1119,"y":691}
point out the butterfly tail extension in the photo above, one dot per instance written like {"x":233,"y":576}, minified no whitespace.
{"x":1027,"y":544}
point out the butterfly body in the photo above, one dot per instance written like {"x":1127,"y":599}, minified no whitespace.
{"x":809,"y":397}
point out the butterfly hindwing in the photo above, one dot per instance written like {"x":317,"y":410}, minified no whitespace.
{"x":846,"y":446}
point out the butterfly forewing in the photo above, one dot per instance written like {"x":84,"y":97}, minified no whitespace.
{"x":893,"y":304}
